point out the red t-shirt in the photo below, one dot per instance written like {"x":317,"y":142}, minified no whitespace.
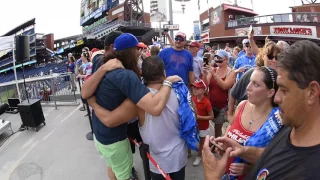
{"x":238,"y":133}
{"x":203,"y":109}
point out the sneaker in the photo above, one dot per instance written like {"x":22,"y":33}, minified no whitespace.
{"x":197,"y":161}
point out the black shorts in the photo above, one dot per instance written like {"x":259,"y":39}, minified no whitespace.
{"x":133,"y":133}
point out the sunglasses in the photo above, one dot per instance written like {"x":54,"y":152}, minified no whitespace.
{"x":271,"y":56}
{"x":181,"y":39}
{"x":248,"y":45}
{"x":218,"y":59}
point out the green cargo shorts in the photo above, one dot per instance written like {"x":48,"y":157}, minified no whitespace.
{"x":118,"y":157}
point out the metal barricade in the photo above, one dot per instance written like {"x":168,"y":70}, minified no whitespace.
{"x":53,"y":90}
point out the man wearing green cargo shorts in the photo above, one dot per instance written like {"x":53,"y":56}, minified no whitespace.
{"x":111,"y":90}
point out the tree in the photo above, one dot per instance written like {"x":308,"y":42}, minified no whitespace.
{"x":191,"y":38}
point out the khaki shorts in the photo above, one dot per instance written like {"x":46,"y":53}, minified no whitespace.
{"x":221,"y":118}
{"x":204,"y":133}
{"x":118,"y":157}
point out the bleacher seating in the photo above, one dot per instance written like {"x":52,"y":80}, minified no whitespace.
{"x":6,"y":61}
{"x":34,"y":71}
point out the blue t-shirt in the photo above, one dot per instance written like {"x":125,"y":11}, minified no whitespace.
{"x":241,"y":53}
{"x":246,"y":62}
{"x":96,"y":62}
{"x":177,"y":63}
{"x":116,"y":86}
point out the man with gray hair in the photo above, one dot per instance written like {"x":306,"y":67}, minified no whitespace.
{"x":284,"y":46}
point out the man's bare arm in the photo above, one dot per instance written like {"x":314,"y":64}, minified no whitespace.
{"x":191,"y":77}
{"x":90,"y":85}
{"x":122,"y":114}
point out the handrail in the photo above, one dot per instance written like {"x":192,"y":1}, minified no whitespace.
{"x":32,"y":79}
{"x":303,"y":17}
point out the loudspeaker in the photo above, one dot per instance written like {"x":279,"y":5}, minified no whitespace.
{"x":3,"y":108}
{"x":22,"y":48}
{"x":31,"y":113}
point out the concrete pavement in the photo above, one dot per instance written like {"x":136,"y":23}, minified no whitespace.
{"x":60,"y":151}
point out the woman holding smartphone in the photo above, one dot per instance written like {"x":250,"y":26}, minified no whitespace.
{"x":219,"y":80}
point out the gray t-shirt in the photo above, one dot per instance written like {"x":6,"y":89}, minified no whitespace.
{"x":162,"y":135}
{"x":197,"y":67}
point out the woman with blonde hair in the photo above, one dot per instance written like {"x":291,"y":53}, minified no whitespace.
{"x":267,"y":57}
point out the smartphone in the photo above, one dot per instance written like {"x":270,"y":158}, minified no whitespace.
{"x":214,"y":144}
{"x":251,"y":30}
{"x":206,"y":61}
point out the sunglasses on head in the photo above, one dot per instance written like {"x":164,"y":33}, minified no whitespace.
{"x":271,"y":56}
{"x":181,"y":39}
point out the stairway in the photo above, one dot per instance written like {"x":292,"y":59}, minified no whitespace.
{"x":148,"y":37}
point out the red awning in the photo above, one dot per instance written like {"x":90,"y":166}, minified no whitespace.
{"x":226,"y":7}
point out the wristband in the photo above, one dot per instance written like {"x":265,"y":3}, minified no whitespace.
{"x":167,"y":83}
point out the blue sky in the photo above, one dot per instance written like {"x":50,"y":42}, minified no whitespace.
{"x":62,"y":17}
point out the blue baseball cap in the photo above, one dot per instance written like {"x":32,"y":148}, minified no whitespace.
{"x":125,"y":41}
{"x":222,"y":54}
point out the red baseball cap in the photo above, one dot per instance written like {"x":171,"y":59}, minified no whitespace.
{"x":200,"y":84}
{"x":181,"y":34}
{"x":94,"y":50}
{"x":142,"y":45}
{"x":195,"y":44}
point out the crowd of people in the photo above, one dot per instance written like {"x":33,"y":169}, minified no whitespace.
{"x":167,"y":98}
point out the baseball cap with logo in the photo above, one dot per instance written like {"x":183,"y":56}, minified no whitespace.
{"x":181,"y":34}
{"x":199,"y":84}
{"x":195,"y":44}
{"x":125,"y":41}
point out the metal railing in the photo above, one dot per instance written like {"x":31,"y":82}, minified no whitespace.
{"x":109,"y":24}
{"x":54,"y":89}
{"x":298,"y":17}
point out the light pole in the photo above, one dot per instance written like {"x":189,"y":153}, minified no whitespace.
{"x":170,"y":17}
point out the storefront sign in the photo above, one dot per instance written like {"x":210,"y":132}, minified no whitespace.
{"x":294,"y":31}
{"x":245,"y":31}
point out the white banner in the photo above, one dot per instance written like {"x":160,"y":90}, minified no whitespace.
{"x":158,"y":11}
{"x":6,"y":42}
{"x":294,"y":31}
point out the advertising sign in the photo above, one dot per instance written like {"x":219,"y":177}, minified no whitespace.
{"x":205,"y":37}
{"x":158,"y":11}
{"x":196,"y":30}
{"x":94,"y":8}
{"x":294,"y":31}
{"x":245,"y":31}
